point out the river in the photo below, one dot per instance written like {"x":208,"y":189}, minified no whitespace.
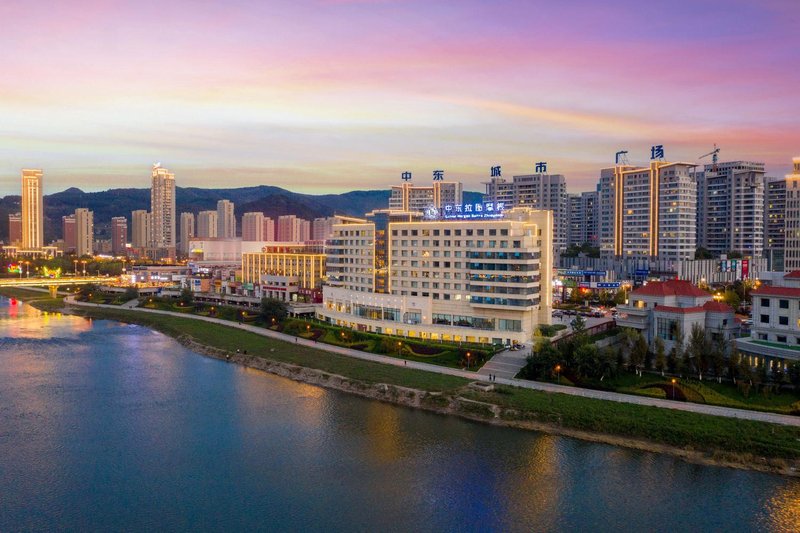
{"x":113,"y":427}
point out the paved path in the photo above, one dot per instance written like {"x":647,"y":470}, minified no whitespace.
{"x":505,"y":364}
{"x":728,"y":412}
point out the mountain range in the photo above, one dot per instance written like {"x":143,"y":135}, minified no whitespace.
{"x":272,"y":201}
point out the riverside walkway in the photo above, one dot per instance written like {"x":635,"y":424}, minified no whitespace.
{"x":728,"y":412}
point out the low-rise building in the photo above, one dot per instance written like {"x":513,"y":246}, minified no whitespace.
{"x":669,"y":309}
{"x":775,"y":331}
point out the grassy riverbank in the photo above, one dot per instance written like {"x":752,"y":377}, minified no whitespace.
{"x":732,"y":439}
{"x":698,"y":437}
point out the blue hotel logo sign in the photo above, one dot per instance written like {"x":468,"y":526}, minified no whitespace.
{"x":466,"y":211}
{"x":657,"y":151}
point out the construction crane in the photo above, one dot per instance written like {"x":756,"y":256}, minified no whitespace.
{"x":714,"y":156}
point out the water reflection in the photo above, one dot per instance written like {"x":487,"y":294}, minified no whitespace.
{"x":107,"y":426}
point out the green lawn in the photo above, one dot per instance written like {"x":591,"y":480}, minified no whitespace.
{"x":676,"y":428}
{"x":229,"y":338}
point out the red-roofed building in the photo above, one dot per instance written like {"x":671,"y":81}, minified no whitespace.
{"x":666,"y":308}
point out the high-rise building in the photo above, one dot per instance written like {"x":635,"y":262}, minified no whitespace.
{"x":141,"y":231}
{"x":187,"y":231}
{"x":119,"y":235}
{"x":15,"y":229}
{"x":408,"y":197}
{"x":536,"y":191}
{"x":791,"y":259}
{"x":269,"y":229}
{"x":226,"y":220}
{"x":582,"y":209}
{"x":162,"y":207}
{"x":730,"y":208}
{"x":207,"y":224}
{"x":293,"y":229}
{"x":84,"y":232}
{"x":253,"y":227}
{"x":775,"y":222}
{"x":68,"y":232}
{"x":32,"y":210}
{"x":648,"y":211}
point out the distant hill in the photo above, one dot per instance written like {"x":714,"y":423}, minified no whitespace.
{"x":272,"y":201}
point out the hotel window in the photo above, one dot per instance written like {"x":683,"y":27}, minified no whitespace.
{"x":765,"y":319}
{"x":764,"y":302}
{"x":781,"y":338}
{"x":783,"y":320}
{"x":783,"y":304}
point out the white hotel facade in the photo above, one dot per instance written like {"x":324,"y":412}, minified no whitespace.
{"x":472,"y":280}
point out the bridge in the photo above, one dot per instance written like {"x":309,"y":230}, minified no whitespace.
{"x":54,"y":283}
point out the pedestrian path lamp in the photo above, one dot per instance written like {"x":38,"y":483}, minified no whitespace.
{"x":674,"y":381}
{"x":558,"y":374}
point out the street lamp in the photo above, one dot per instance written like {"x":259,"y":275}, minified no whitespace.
{"x":558,"y":374}
{"x":673,"y":387}
{"x":468,"y":356}
{"x":399,"y":346}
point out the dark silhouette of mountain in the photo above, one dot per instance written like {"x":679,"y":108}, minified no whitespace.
{"x":272,"y":201}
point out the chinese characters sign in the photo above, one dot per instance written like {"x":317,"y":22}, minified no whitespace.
{"x":466,"y":211}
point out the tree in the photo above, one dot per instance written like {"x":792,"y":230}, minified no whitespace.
{"x":638,"y":352}
{"x":703,"y":253}
{"x":131,"y":293}
{"x":620,"y":297}
{"x":186,"y":298}
{"x":732,"y":298}
{"x":87,"y":291}
{"x":587,"y":361}
{"x":273,"y":310}
{"x":698,"y":348}
{"x":661,"y":358}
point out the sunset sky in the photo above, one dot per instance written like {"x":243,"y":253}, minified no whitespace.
{"x":334,"y":95}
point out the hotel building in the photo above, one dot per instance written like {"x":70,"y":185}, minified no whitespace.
{"x":648,"y":211}
{"x":32,"y":210}
{"x":730,"y":207}
{"x":475,"y":280}
{"x":284,"y":271}
{"x":408,"y":197}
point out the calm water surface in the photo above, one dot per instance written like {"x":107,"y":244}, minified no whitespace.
{"x":112,"y":427}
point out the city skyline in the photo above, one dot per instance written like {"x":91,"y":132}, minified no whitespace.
{"x":340,"y":95}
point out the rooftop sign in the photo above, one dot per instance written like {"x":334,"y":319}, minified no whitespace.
{"x":480,"y":210}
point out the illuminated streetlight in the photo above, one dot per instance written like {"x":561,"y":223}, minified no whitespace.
{"x":673,"y":387}
{"x":558,"y":373}
{"x":468,"y":356}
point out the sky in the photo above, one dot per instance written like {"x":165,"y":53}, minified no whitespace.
{"x":323,"y":96}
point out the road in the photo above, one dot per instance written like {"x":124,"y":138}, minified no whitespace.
{"x":727,"y":412}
